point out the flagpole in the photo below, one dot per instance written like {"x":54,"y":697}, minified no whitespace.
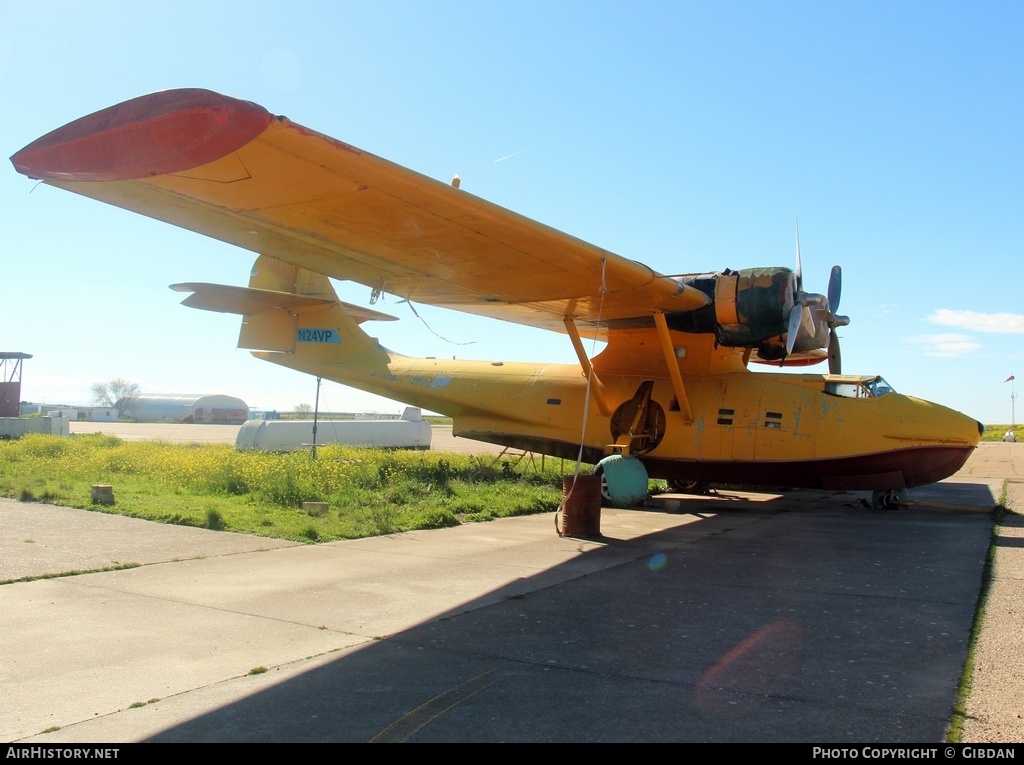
{"x":1013,"y":403}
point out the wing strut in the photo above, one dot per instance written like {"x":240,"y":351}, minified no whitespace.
{"x":673,"y":366}
{"x":581,"y":354}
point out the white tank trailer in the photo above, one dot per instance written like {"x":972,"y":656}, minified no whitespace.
{"x":409,"y":432}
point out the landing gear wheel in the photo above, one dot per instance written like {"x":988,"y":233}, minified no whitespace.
{"x":887,"y":500}
{"x":606,"y":497}
{"x":687,"y":487}
{"x":623,"y":480}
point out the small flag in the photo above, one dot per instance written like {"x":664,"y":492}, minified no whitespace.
{"x":1008,"y":378}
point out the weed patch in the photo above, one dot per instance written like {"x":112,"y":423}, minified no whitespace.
{"x":212,"y":486}
{"x":73,"y":572}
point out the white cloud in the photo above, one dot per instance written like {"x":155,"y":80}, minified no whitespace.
{"x":1000,"y":323}
{"x":945,"y":345}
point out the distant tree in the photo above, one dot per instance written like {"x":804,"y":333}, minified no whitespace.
{"x":119,"y":394}
{"x":303,"y":409}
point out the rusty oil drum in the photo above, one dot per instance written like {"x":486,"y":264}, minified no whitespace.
{"x":580,"y":512}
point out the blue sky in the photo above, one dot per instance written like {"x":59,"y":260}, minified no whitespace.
{"x":685,"y":135}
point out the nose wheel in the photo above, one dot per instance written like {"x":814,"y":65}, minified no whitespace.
{"x":888,"y":500}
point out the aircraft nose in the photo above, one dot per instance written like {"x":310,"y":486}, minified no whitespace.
{"x":968,"y":428}
{"x":948,"y":444}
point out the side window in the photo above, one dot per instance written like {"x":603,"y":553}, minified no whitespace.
{"x":873,"y":388}
{"x":845,"y":389}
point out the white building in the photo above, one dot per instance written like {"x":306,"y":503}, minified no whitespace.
{"x":189,"y":407}
{"x":97,"y":414}
{"x":407,"y":432}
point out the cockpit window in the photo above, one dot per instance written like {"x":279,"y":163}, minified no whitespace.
{"x":873,"y":387}
{"x":879,"y":387}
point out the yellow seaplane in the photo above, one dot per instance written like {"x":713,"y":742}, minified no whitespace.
{"x":671,"y":387}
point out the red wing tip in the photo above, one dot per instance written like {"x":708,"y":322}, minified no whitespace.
{"x":157,"y":134}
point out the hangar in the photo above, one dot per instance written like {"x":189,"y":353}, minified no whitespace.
{"x":189,"y":407}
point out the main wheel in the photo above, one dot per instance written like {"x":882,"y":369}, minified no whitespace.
{"x":885,"y":500}
{"x":623,"y":480}
{"x":606,"y":497}
{"x":687,"y":487}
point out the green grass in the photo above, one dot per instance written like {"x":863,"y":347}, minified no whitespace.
{"x":996,"y":432}
{"x":954,"y":734}
{"x":212,"y":486}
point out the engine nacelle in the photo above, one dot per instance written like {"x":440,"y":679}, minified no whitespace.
{"x":750,"y":308}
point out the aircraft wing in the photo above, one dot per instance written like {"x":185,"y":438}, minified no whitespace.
{"x":233,"y":171}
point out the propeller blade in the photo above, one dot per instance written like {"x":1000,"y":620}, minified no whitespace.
{"x":835,"y":287}
{"x":821,"y":314}
{"x":835,"y":360}
{"x":799,"y":265}
{"x":795,"y":318}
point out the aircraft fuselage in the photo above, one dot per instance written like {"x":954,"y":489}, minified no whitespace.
{"x":766,"y":429}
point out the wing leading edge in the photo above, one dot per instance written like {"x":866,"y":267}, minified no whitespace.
{"x":232,"y":171}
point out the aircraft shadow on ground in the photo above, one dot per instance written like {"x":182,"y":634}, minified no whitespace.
{"x":813,"y":620}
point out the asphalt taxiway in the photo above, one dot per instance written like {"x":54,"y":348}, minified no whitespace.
{"x":801,"y":616}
